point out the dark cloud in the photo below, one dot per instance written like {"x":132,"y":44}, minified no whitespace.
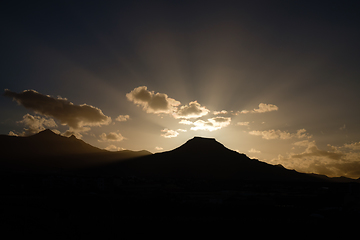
{"x":67,"y":113}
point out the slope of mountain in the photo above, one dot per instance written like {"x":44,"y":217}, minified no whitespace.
{"x":48,"y":150}
{"x":205,"y":158}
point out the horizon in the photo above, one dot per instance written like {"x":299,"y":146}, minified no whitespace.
{"x":277,"y":82}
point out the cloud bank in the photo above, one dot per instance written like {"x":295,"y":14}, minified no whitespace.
{"x":336,"y":161}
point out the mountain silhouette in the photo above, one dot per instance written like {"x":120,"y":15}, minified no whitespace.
{"x":205,"y":158}
{"x":47,"y":150}
{"x":198,"y":158}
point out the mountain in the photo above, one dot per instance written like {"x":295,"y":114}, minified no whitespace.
{"x":198,"y":158}
{"x":47,"y":150}
{"x":205,"y":158}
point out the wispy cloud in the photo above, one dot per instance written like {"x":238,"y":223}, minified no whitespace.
{"x":278,"y":134}
{"x":242,"y":123}
{"x":253,"y":150}
{"x":114,"y":148}
{"x":167,"y":133}
{"x":263,"y":107}
{"x":212,"y":124}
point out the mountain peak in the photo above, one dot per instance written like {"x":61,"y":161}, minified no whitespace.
{"x":202,"y":141}
{"x":201,"y":145}
{"x":197,"y":138}
{"x":46,"y":133}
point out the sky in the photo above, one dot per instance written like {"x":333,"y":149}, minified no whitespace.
{"x":276,"y":80}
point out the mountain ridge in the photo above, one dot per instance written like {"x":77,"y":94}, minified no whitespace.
{"x":48,"y":150}
{"x":198,"y":157}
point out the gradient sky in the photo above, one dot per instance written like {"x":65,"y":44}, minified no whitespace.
{"x":276,"y":80}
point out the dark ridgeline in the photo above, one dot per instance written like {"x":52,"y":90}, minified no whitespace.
{"x":47,"y":152}
{"x":205,"y":158}
{"x":75,"y":190}
{"x":198,"y":158}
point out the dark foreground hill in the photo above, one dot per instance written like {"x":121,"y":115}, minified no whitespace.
{"x":201,"y":184}
{"x":48,"y":151}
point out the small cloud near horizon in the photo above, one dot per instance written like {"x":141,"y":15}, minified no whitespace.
{"x":111,"y":137}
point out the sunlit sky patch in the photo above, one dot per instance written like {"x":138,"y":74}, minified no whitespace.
{"x":277,"y":81}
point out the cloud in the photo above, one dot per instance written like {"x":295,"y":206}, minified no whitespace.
{"x":122,"y":118}
{"x":337,"y":161}
{"x":159,"y":148}
{"x":111,"y":137}
{"x":313,"y":151}
{"x":186,"y":122}
{"x":242,"y":124}
{"x":11,"y":133}
{"x":152,"y":102}
{"x":167,"y":133}
{"x":304,"y":143}
{"x":34,"y":124}
{"x":278,"y":134}
{"x":253,"y":150}
{"x":212,"y":124}
{"x":263,"y":107}
{"x":222,"y":112}
{"x":353,"y":146}
{"x":114,"y":148}
{"x":160,"y":103}
{"x":242,"y":112}
{"x":193,"y":110}
{"x":67,"y":113}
